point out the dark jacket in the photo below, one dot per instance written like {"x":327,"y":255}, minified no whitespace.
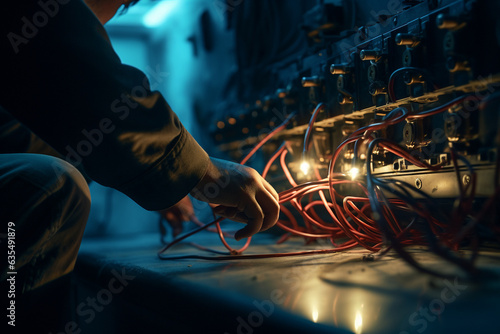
{"x":62,"y":79}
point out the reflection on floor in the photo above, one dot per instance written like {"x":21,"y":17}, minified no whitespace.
{"x":337,"y":293}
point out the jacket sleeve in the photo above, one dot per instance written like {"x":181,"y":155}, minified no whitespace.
{"x":63,"y":80}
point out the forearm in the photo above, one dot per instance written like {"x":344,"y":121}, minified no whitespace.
{"x":70,"y":88}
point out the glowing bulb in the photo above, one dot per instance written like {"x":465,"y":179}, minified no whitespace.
{"x":304,"y":167}
{"x":315,"y":315}
{"x":358,"y":322}
{"x":354,"y":172}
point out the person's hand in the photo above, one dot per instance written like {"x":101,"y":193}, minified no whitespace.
{"x":175,"y":215}
{"x":242,"y":194}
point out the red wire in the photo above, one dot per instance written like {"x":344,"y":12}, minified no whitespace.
{"x":353,"y":218}
{"x":279,"y":128}
{"x":310,"y":127}
{"x":288,"y":175}
{"x":270,"y":162}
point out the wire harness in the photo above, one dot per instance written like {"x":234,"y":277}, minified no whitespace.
{"x":387,"y":216}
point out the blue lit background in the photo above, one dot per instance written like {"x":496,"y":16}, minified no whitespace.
{"x":165,"y":39}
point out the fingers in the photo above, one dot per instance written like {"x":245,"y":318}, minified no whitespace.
{"x":232,"y":213}
{"x":255,"y":215}
{"x":270,"y":208}
{"x":258,"y":209}
{"x":186,"y":208}
{"x":249,"y":212}
{"x":182,"y":211}
{"x":243,"y":196}
{"x":259,"y":214}
{"x":176,"y":228}
{"x":271,"y":190}
{"x":174,"y":217}
{"x":172,"y":214}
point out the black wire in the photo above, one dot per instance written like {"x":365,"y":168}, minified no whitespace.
{"x":392,"y":77}
{"x":433,"y":242}
{"x":435,"y":247}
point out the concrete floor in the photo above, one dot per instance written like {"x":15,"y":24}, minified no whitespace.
{"x":336,"y":293}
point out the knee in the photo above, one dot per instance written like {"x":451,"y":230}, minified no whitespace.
{"x":49,"y":201}
{"x":66,"y":182}
{"x":33,"y":181}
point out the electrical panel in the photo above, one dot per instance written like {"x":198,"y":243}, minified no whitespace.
{"x":414,"y":55}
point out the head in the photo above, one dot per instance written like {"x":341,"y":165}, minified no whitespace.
{"x":106,"y":9}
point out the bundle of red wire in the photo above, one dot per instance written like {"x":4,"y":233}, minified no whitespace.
{"x":370,"y":221}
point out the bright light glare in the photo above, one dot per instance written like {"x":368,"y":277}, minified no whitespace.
{"x":304,"y":167}
{"x":354,"y":172}
{"x":157,"y":15}
{"x":358,"y":322}
{"x":315,"y":315}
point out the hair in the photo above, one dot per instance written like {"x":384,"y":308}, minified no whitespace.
{"x":128,"y":3}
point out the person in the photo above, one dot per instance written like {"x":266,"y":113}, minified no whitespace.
{"x":65,"y":94}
